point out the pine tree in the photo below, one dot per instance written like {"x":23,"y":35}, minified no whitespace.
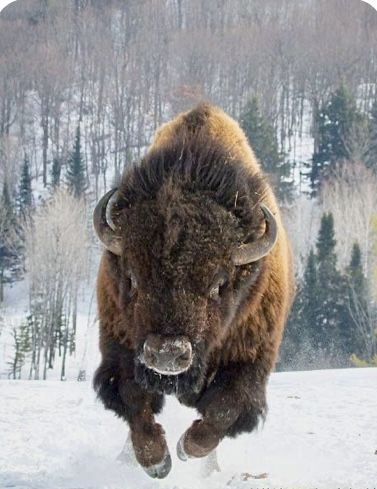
{"x":310,"y":292}
{"x":9,"y":261}
{"x":55,"y":172}
{"x":326,"y":241}
{"x":297,"y":347}
{"x":319,"y":323}
{"x":310,"y":300}
{"x":331,"y":304}
{"x":22,"y":347}
{"x":263,"y":140}
{"x":355,"y":269}
{"x":76,"y":169}
{"x":25,"y":195}
{"x":336,"y":122}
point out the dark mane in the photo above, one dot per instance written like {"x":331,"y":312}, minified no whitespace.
{"x":196,"y":165}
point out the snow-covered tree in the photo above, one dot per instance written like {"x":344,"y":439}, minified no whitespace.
{"x":57,"y":247}
{"x":351,"y":196}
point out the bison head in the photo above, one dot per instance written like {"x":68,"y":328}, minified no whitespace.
{"x":184,"y":265}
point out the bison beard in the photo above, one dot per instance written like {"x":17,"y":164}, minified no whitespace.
{"x":197,"y":281}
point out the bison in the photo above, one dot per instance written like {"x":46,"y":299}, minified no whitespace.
{"x":194,"y":287}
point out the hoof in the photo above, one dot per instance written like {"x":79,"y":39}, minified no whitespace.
{"x":160,"y":470}
{"x":187,"y":448}
{"x":182,"y":455}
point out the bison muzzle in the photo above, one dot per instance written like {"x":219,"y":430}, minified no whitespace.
{"x":167,"y":356}
{"x":194,"y":287}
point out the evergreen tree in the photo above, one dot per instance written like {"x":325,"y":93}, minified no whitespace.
{"x":25,"y":195}
{"x":263,"y":140}
{"x":297,"y":349}
{"x":326,"y":242}
{"x":9,"y":261}
{"x":22,"y":347}
{"x":76,"y":169}
{"x":55,"y":172}
{"x":331,"y":305}
{"x":318,"y":330}
{"x":310,"y":292}
{"x":355,"y":269}
{"x":336,"y":122}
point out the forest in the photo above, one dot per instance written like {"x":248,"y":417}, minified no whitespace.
{"x":85,"y":83}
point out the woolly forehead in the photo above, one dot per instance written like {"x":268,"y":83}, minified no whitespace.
{"x":186,"y":204}
{"x":179,"y":231}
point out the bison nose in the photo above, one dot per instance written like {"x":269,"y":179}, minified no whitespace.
{"x":167,"y":355}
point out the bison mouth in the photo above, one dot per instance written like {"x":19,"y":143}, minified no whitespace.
{"x":189,"y":382}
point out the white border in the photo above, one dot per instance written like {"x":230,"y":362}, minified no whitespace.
{"x":372,"y":3}
{"x":4,"y":3}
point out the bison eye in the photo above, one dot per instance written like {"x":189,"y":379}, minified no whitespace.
{"x":131,"y":284}
{"x":217,"y":288}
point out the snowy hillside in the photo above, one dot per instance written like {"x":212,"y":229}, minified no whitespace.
{"x":320,"y":432}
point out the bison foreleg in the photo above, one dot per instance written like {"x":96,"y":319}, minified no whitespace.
{"x":120,"y":393}
{"x":232,"y":404}
{"x":148,"y":437}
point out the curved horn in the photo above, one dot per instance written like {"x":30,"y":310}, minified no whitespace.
{"x":250,"y":252}
{"x":104,"y":226}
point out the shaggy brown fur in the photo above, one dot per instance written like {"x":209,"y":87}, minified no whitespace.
{"x":183,"y":210}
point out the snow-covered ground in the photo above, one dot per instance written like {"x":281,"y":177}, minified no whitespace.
{"x":321,"y":432}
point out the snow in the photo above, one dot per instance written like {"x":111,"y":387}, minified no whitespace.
{"x":320,"y":433}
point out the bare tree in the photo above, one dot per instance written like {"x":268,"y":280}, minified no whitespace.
{"x":351,"y":195}
{"x":119,"y":69}
{"x":302,"y":218}
{"x":57,"y":250}
{"x":364,"y":316}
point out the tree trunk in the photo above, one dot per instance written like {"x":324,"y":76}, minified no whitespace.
{"x":1,"y":285}
{"x":45,"y":143}
{"x":74,"y":321}
{"x":65,"y":349}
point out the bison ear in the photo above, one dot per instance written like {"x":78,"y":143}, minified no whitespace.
{"x":103,"y":224}
{"x":254,"y":251}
